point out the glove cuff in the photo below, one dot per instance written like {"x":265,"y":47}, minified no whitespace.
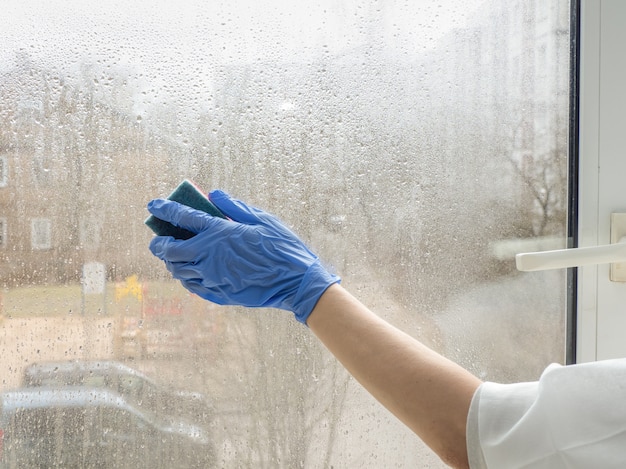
{"x":314,"y":283}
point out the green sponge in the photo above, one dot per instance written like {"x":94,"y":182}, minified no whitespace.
{"x":187,"y":194}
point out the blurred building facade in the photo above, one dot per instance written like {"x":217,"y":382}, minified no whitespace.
{"x":484,"y":111}
{"x":74,"y":180}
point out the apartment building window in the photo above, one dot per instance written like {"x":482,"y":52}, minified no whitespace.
{"x":89,"y":232}
{"x":41,"y":234}
{"x":3,"y":232}
{"x":4,"y":169}
{"x":41,"y":169}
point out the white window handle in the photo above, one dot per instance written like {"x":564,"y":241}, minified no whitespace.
{"x":575,"y":257}
{"x":614,"y":254}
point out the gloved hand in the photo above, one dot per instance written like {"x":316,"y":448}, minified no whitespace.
{"x":250,"y":260}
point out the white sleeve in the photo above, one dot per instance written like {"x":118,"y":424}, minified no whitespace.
{"x":574,"y":417}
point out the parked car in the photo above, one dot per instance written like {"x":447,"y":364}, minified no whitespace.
{"x":135,"y":386}
{"x":81,"y":427}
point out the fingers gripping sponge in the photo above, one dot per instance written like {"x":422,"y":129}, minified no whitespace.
{"x":187,"y":194}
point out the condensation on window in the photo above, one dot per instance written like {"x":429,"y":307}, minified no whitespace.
{"x":415,"y":146}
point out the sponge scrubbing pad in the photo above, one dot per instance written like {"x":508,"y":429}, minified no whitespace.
{"x":187,"y":194}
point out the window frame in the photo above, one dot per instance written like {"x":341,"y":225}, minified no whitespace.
{"x":600,"y":322}
{"x":573,"y":182}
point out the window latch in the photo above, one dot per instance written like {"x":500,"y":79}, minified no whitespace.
{"x":614,"y":254}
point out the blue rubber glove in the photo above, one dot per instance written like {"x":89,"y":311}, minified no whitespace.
{"x":250,"y":260}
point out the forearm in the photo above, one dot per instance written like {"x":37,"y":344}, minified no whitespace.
{"x":426,"y":391}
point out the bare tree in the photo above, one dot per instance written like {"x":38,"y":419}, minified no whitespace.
{"x":285,"y":393}
{"x":544,"y":177}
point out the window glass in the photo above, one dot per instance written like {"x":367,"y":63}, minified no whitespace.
{"x":415,"y":146}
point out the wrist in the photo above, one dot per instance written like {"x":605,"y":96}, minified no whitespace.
{"x":314,"y":284}
{"x":325,"y":304}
